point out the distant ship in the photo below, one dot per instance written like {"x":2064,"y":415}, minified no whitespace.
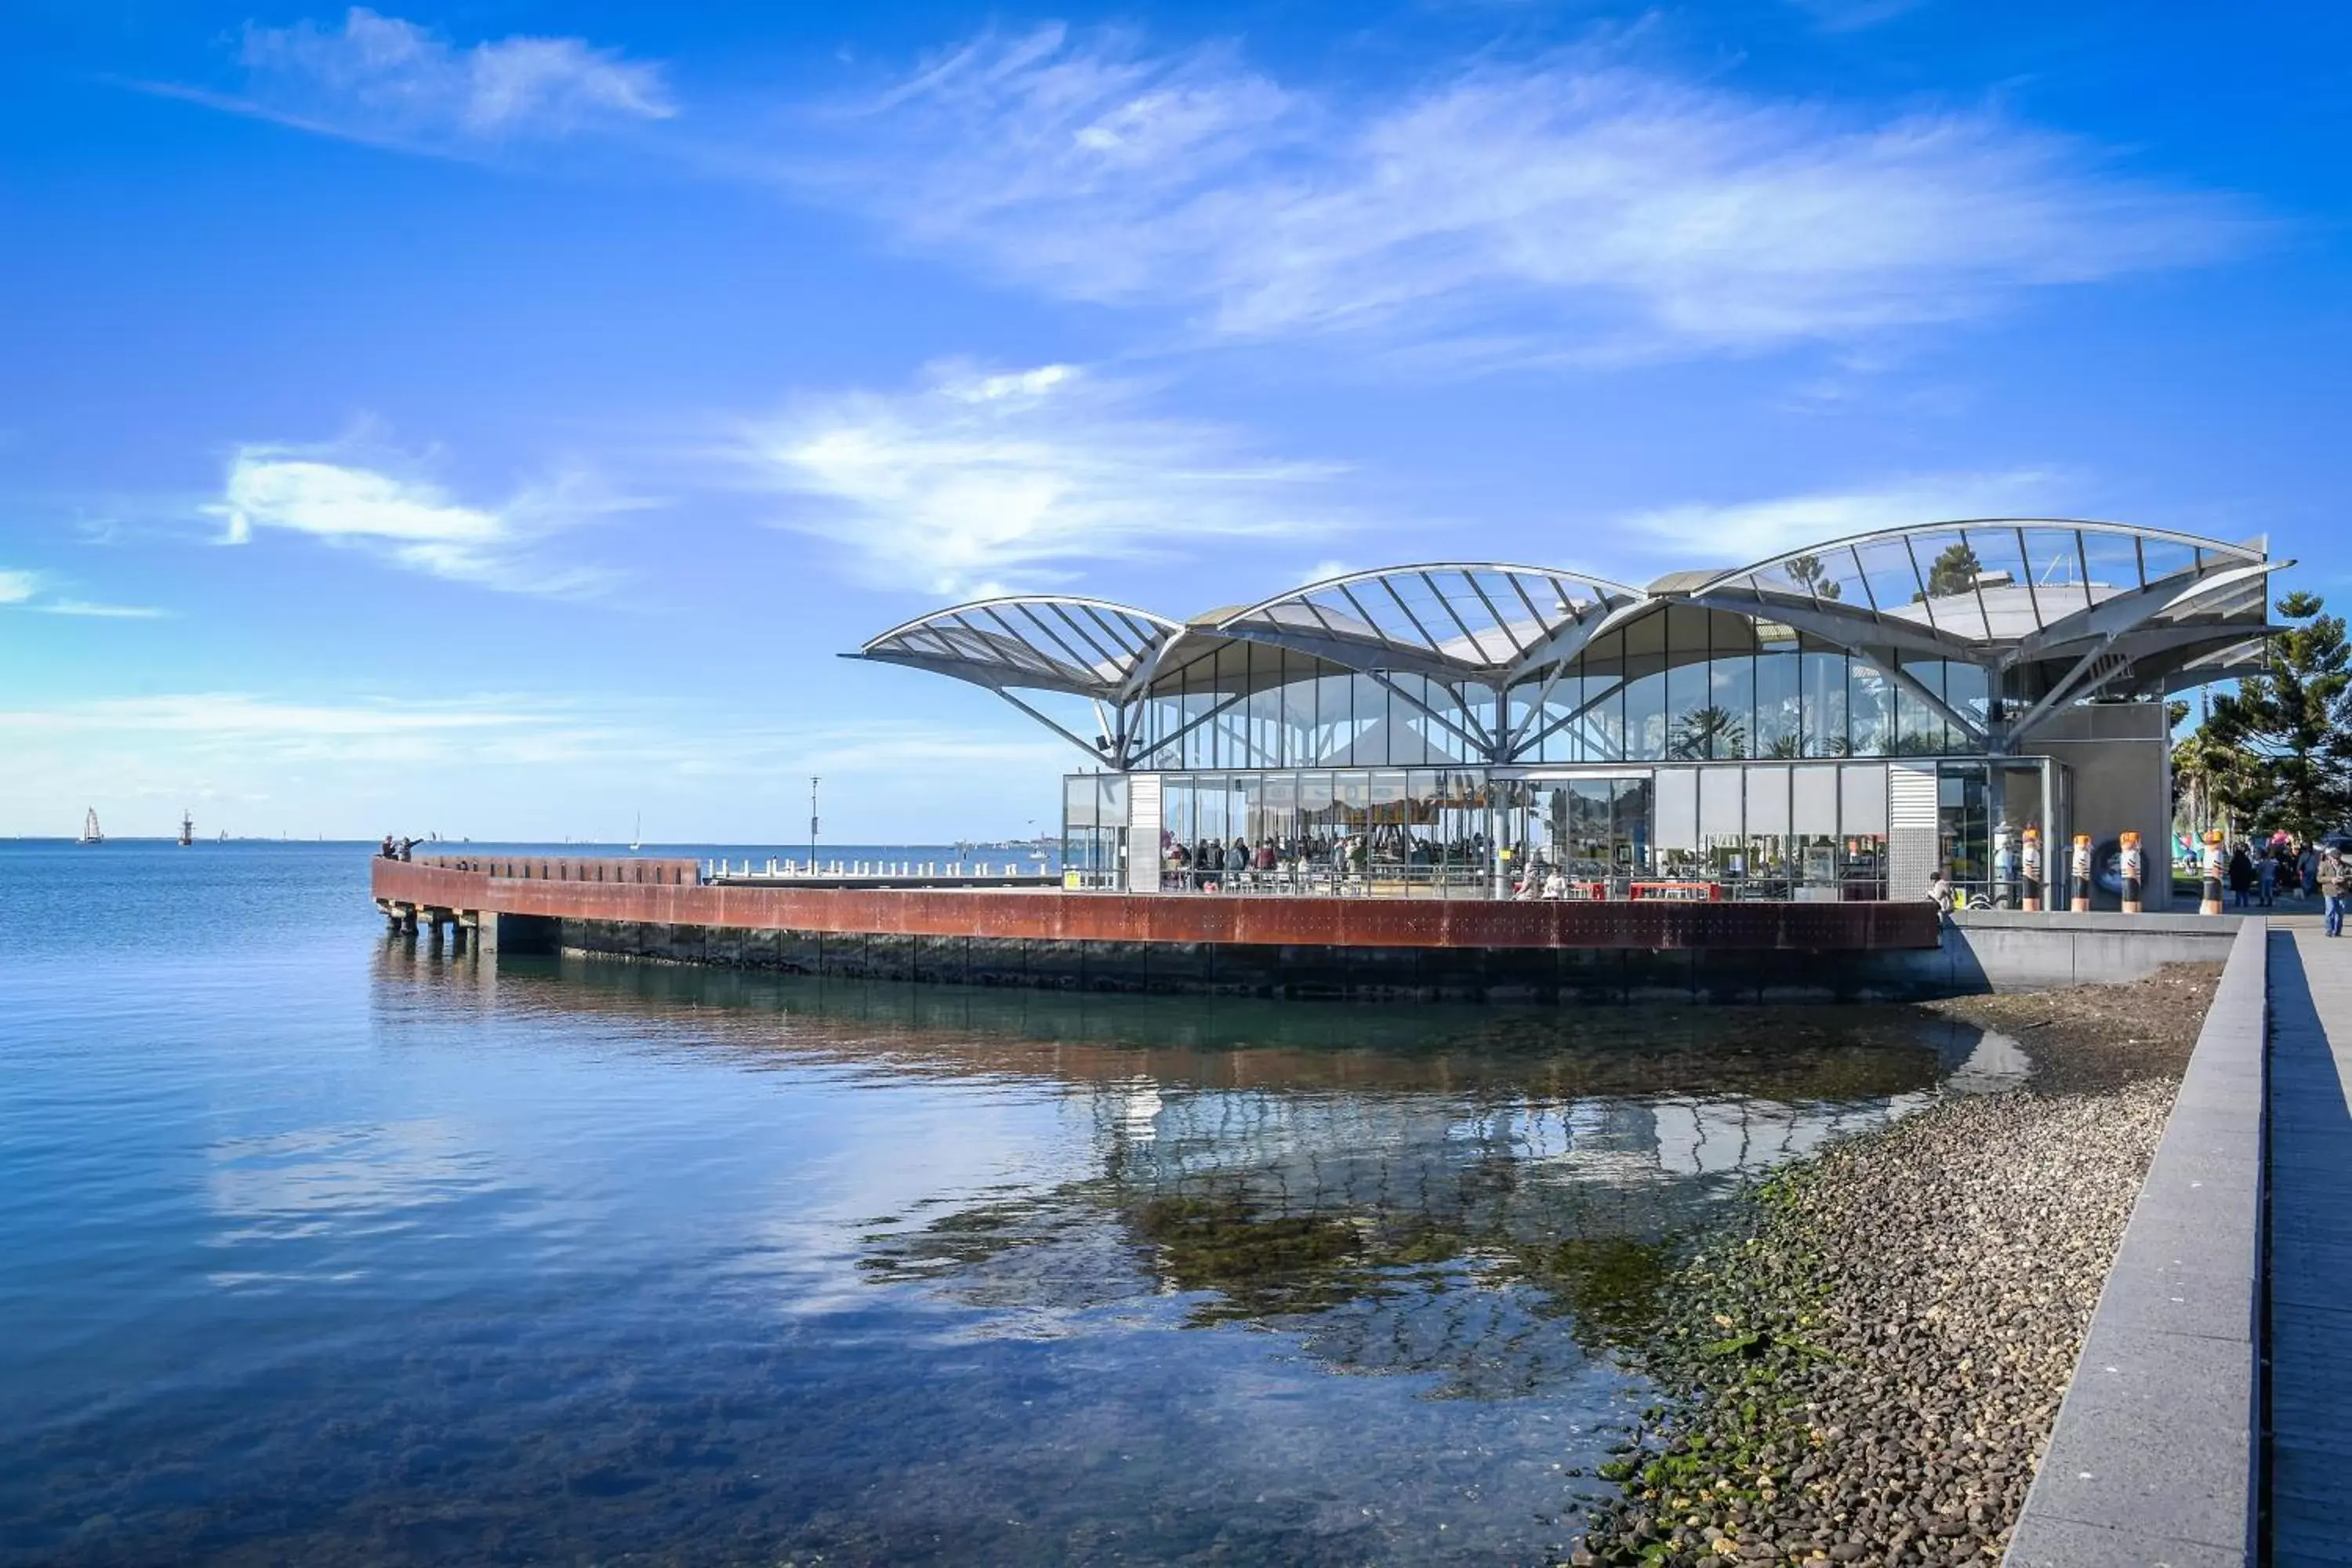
{"x":187,"y":830}
{"x":90,"y":832}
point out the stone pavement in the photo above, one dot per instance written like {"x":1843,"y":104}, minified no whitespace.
{"x":2310,"y":1293}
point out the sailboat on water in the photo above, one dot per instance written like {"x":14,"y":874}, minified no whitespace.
{"x":89,"y":830}
{"x":187,"y":830}
{"x":637,"y":834}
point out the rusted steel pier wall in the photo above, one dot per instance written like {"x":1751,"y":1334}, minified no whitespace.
{"x":1325,"y":947}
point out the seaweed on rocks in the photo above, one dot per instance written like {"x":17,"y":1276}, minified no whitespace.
{"x":1863,"y":1363}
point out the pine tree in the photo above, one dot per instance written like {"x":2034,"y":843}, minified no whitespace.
{"x":2283,"y":739}
{"x":1812,"y":576}
{"x":1953,"y":572}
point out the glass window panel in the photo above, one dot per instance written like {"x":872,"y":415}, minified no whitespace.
{"x":2113,"y":560}
{"x":1824,"y":704}
{"x":1333,"y":744}
{"x":1870,"y":710}
{"x":1176,"y":807}
{"x":1777,"y":705}
{"x":1967,"y":691}
{"x":1078,"y":796}
{"x":1688,"y":731}
{"x":1893,"y":582}
{"x":1645,"y":709}
{"x":2054,"y":566}
{"x":1318,"y":811}
{"x":1299,"y":691}
{"x":1919,"y":729}
{"x":1731,"y":701}
{"x":1629,"y":814}
{"x":1265,"y":705}
{"x":2163,"y":559}
{"x":2001,"y":581}
{"x":1209,"y":793}
{"x":1445,"y":738}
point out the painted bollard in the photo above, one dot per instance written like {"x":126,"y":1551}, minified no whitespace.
{"x":2131,"y":869}
{"x":2081,"y":871}
{"x":2032,"y":858}
{"x":2216,"y":865}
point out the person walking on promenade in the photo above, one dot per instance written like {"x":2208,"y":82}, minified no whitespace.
{"x":2266,"y":871}
{"x":2335,"y":881}
{"x":2241,"y":875}
{"x":2306,"y":871}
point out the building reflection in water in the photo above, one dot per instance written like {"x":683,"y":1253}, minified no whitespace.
{"x":1491,"y":1197}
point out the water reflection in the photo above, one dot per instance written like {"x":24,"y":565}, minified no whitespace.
{"x":325,"y":1251}
{"x":1483,"y":1197}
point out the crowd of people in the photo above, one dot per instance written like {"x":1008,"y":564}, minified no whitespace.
{"x":2263,"y":869}
{"x":1212,"y":865}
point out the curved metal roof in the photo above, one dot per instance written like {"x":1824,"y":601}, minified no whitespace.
{"x":2019,"y":586}
{"x":1089,"y":647}
{"x":1454,"y":621}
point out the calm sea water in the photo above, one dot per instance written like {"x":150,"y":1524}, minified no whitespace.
{"x":316,"y":1249}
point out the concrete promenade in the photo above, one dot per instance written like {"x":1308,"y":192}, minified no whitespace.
{"x":2154,"y":1457}
{"x":2310,"y":1330}
{"x":2209,"y":1419}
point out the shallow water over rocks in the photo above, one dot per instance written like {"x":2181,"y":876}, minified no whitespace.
{"x":327,"y":1250}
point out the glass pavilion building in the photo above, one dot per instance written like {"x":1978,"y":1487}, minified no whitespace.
{"x":1839,"y":722}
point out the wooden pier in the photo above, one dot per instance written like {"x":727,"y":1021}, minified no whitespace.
{"x":1253,"y":944}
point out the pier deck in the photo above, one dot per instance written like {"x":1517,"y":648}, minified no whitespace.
{"x":2310,"y":1344}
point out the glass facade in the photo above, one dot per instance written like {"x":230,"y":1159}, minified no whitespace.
{"x":1674,"y":684}
{"x":1833,"y":721}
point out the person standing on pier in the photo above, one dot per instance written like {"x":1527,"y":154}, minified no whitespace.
{"x":2334,"y":879}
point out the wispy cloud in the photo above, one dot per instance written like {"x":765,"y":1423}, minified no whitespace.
{"x":390,"y":82}
{"x":358,"y":495}
{"x":33,"y":591}
{"x":1851,"y":16}
{"x":1580,"y":206}
{"x":976,"y":481}
{"x":1733,"y":534}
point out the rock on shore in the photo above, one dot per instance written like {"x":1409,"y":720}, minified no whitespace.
{"x":1864,"y":1364}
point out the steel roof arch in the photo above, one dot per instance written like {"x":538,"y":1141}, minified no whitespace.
{"x":1059,"y":642}
{"x":2084,"y":525}
{"x":1474,"y":619}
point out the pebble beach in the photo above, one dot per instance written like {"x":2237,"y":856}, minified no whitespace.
{"x":1863,"y":1364}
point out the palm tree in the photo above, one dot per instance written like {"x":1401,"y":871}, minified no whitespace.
{"x":1709,"y":732}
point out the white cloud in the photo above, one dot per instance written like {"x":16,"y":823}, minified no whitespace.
{"x":1703,"y":535}
{"x":30,"y":591}
{"x":384,"y":80}
{"x":1580,"y":206}
{"x":975,"y":481}
{"x":88,"y":610}
{"x":350,"y":496}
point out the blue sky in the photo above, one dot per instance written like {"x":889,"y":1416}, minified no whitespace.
{"x":493,"y":417}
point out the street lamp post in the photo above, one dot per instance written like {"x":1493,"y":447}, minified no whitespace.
{"x":813,"y":782}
